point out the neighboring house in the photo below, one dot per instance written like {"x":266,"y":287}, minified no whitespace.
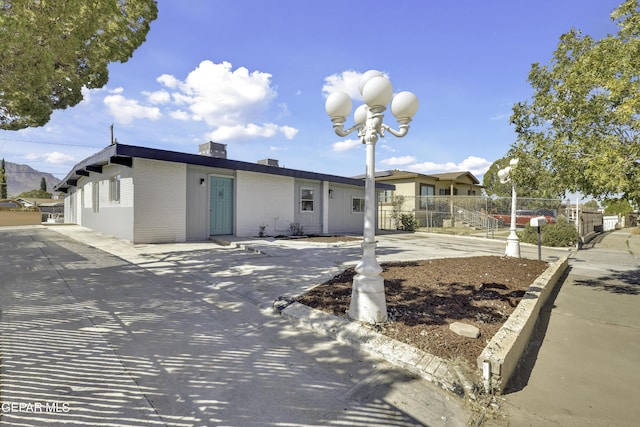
{"x":51,"y":208}
{"x":416,"y":188}
{"x":149,"y":195}
{"x":10,"y":204}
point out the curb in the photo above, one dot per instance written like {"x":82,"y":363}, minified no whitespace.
{"x":500,"y":358}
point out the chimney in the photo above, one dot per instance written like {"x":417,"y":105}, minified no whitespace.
{"x":269,"y":162}
{"x":213,"y":149}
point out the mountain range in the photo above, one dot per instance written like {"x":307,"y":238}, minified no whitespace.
{"x":21,"y":178}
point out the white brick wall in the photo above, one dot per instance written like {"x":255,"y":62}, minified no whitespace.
{"x":160,"y":201}
{"x":263,"y":199}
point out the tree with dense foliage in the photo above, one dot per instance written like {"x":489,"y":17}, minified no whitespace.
{"x":592,"y":204}
{"x":531,"y":179}
{"x":51,"y":50}
{"x":3,"y":181}
{"x":617,"y":207}
{"x":582,"y":124}
{"x":43,"y":184}
{"x":35,"y":194}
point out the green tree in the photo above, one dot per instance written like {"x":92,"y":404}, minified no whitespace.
{"x":52,"y":49}
{"x":532,"y":180}
{"x":43,"y":184}
{"x":583,"y":121}
{"x":3,"y":181}
{"x":35,"y":194}
{"x":617,"y":207}
{"x":592,"y":204}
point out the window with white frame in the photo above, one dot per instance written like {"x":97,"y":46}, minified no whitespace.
{"x":114,"y":189}
{"x":306,"y":199}
{"x":385,"y":196}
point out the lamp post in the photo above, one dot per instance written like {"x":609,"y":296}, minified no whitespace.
{"x":368,"y":302}
{"x":513,"y":243}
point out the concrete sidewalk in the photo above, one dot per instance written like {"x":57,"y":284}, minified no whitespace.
{"x":96,"y":331}
{"x":584,"y":363}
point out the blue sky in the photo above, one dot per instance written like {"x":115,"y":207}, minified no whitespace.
{"x":254,"y":75}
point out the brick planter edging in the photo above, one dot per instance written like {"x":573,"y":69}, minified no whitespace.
{"x":508,"y":345}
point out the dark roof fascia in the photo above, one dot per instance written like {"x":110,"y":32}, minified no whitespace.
{"x":121,"y":150}
{"x":100,"y":158}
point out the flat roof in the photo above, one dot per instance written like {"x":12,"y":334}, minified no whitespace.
{"x":123,"y":154}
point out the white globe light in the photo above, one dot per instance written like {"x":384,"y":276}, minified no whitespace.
{"x":360,"y":115}
{"x":377,"y":91}
{"x":514,"y":162}
{"x":366,"y":76}
{"x":338,"y":104}
{"x":404,"y":105}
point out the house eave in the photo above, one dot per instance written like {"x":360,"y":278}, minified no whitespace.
{"x":123,"y":155}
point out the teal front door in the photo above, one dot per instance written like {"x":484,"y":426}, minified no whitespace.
{"x":221,"y":205}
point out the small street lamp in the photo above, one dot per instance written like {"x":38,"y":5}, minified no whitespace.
{"x":368,"y":302}
{"x":513,"y":243}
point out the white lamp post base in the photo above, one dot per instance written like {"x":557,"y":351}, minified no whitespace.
{"x":368,"y":302}
{"x":513,"y":245}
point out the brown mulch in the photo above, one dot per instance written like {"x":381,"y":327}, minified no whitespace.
{"x":424,"y":297}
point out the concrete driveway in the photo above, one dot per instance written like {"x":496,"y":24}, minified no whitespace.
{"x":96,"y":331}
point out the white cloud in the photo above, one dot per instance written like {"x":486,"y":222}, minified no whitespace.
{"x":126,"y":110}
{"x":346,"y":145}
{"x":289,"y":132}
{"x":398,"y":161}
{"x":267,"y":130}
{"x":347,"y":81}
{"x":180,"y":115}
{"x":158,"y":97}
{"x":168,"y":81}
{"x":54,"y":157}
{"x":221,"y":96}
{"x":476,"y":165}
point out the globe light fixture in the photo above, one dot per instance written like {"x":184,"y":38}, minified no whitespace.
{"x":513,"y":243}
{"x":368,"y":303}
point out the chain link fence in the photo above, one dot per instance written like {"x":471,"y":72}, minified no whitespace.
{"x":479,"y":213}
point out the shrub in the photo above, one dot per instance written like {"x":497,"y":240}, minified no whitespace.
{"x":408,"y":222}
{"x":295,"y":229}
{"x":560,"y":234}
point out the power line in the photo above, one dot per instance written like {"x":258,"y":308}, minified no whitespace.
{"x":51,"y":143}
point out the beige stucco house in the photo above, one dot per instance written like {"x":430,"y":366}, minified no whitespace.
{"x":421,"y":191}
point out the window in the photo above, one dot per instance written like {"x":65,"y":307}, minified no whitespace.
{"x":114,"y":189}
{"x":357,"y":205}
{"x":447,"y":192}
{"x":306,"y":200}
{"x":385,"y":196}
{"x":427,"y":190}
{"x":95,"y":196}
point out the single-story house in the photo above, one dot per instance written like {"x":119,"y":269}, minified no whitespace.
{"x":148,"y":195}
